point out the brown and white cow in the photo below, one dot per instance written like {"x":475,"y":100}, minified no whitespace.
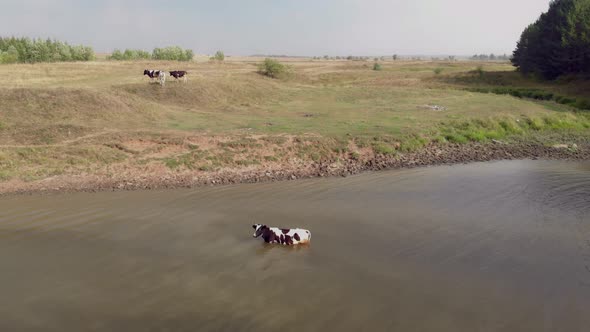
{"x":281,"y":235}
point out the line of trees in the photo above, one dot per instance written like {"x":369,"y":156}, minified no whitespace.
{"x":490,"y":57}
{"x":173,"y":53}
{"x":558,"y":42}
{"x":27,"y":50}
{"x":352,"y":58}
{"x":129,"y":54}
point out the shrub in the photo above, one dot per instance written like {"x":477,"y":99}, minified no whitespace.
{"x":129,"y":55}
{"x":479,"y":70}
{"x":514,"y":93}
{"x":219,"y":56}
{"x":116,"y":55}
{"x":438,"y":71}
{"x":566,"y":100}
{"x":82,"y":53}
{"x":174,"y":53}
{"x":377,"y":66}
{"x":582,"y":104}
{"x":272,"y":68}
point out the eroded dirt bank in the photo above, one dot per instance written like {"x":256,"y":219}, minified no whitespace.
{"x":161,"y":178}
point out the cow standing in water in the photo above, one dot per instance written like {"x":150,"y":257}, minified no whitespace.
{"x":282,"y":236}
{"x":179,"y":74}
{"x":160,"y":75}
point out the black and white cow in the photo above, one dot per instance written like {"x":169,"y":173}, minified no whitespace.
{"x":151,"y":73}
{"x":281,"y":235}
{"x":160,"y":75}
{"x":179,"y":74}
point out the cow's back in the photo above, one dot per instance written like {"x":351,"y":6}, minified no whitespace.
{"x":303,"y":234}
{"x":291,"y":236}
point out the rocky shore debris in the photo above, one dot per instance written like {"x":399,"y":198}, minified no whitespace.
{"x":433,"y":107}
{"x":565,"y":146}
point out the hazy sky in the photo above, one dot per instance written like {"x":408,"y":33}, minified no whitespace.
{"x":294,"y":27}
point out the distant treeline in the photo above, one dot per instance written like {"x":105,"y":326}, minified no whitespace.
{"x":27,"y":50}
{"x":173,"y":53}
{"x":490,"y":57}
{"x":558,"y":42}
{"x":479,"y":57}
{"x":351,"y":58}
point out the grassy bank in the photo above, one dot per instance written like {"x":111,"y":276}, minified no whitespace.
{"x":105,"y":119}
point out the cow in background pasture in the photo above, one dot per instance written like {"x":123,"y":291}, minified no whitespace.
{"x":160,"y":75}
{"x":179,"y":74}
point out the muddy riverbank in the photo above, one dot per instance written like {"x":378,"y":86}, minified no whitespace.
{"x":432,"y":155}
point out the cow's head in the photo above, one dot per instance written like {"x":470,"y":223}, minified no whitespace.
{"x":259,"y":229}
{"x":146,"y":72}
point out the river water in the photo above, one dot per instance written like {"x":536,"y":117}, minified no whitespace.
{"x":501,"y":246}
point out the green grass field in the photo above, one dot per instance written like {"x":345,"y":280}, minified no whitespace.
{"x":102,"y":117}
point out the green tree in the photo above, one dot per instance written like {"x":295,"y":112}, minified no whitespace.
{"x":10,"y":56}
{"x":64,"y":52}
{"x":188,"y":55}
{"x":130,"y":54}
{"x":558,"y":42}
{"x":116,"y":55}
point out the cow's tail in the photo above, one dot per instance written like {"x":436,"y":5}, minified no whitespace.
{"x":308,"y":235}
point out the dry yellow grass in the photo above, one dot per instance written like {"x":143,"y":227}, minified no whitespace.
{"x":77,"y":118}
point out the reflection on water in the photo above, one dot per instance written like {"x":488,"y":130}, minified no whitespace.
{"x":501,"y":246}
